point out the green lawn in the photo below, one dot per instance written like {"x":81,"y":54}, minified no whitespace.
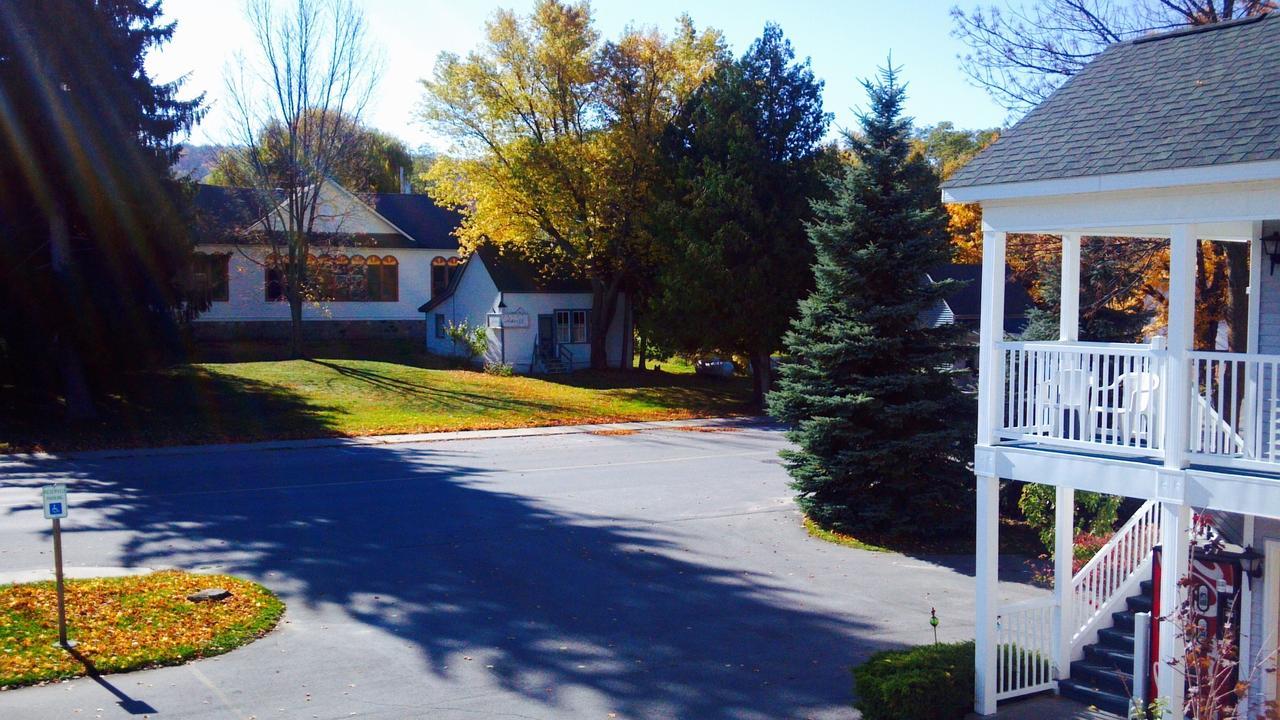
{"x":245,"y":401}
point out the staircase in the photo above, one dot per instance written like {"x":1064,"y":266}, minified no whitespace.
{"x":1104,"y":678}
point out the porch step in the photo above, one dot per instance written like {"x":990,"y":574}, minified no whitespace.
{"x":1123,"y":621}
{"x":1116,"y":639}
{"x":1101,"y":677}
{"x":1109,"y":657}
{"x":1148,"y":587}
{"x":1139,"y":603}
{"x":1101,"y":699}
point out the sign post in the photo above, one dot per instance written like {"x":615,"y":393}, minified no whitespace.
{"x":54,"y":499}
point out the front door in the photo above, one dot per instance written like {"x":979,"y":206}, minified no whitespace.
{"x":546,"y":335}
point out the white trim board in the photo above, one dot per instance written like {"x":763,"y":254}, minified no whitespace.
{"x":1147,"y":180}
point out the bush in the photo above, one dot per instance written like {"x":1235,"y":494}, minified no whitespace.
{"x":930,"y":682}
{"x":499,"y":368}
{"x":1095,"y":513}
{"x":474,"y":341}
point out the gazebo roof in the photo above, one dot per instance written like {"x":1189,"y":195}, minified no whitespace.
{"x":1207,"y":96}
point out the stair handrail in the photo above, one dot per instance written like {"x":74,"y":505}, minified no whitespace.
{"x":1107,"y":580}
{"x":1215,"y":419}
{"x":566,"y":356}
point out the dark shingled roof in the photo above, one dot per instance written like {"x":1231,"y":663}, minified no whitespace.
{"x":1192,"y":98}
{"x":430,"y":225}
{"x":966,"y":302}
{"x":514,"y":274}
{"x":511,"y":273}
{"x":223,"y":212}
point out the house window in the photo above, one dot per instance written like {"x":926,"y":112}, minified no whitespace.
{"x":211,"y":278}
{"x":571,"y":326}
{"x":274,"y":280}
{"x":342,"y":278}
{"x":440,"y":326}
{"x":442,"y":271}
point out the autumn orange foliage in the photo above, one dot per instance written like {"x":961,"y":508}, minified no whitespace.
{"x":126,"y":624}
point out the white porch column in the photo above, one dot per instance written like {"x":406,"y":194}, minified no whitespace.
{"x":1063,"y":550}
{"x":988,"y":593}
{"x":1175,"y":523}
{"x":991,"y":332}
{"x":1069,"y":292}
{"x":1182,"y":309}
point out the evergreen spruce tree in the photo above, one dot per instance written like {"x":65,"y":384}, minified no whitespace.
{"x":883,"y":433}
{"x":94,"y":230}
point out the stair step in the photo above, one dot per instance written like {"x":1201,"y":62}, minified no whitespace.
{"x":1122,"y":621}
{"x":1139,"y":603}
{"x":1101,"y":699}
{"x":1102,"y":677}
{"x":1118,"y":639}
{"x":1147,"y":587}
{"x":1109,"y":657}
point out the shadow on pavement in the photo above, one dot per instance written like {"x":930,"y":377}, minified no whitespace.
{"x":413,"y":542}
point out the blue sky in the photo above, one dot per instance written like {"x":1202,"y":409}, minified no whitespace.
{"x":845,"y":41}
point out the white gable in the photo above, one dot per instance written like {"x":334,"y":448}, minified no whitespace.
{"x":338,"y":211}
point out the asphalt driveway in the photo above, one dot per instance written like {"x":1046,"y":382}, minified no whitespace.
{"x":661,"y":574}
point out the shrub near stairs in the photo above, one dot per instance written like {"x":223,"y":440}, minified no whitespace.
{"x":930,"y":682}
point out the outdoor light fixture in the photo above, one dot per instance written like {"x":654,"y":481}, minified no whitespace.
{"x":1251,"y":560}
{"x":1271,"y":246}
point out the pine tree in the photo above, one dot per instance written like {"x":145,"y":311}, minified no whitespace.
{"x":883,"y":433}
{"x":95,"y":242}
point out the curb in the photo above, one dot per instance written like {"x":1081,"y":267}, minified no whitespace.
{"x":377,"y":440}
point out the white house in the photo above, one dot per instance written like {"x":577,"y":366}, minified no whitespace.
{"x":535,"y":323}
{"x":1174,"y":136}
{"x":382,"y":255}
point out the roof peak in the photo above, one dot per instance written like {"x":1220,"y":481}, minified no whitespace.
{"x":1198,"y":29}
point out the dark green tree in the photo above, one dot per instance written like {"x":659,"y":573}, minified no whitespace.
{"x":94,"y":244}
{"x":747,"y":152}
{"x":1109,"y":274}
{"x":882,"y":432}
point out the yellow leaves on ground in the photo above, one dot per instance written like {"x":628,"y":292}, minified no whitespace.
{"x":126,"y":623}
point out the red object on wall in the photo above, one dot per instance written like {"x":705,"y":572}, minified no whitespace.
{"x":1213,"y":594}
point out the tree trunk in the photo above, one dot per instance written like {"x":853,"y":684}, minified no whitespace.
{"x":644,"y":349}
{"x":1238,"y":291}
{"x":761,"y":372}
{"x":604,"y":301}
{"x":75,"y":387}
{"x":295,"y":325}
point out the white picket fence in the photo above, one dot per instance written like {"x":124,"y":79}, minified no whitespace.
{"x":1024,"y":648}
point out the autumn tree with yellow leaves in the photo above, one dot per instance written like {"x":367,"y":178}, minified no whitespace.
{"x":555,"y":140}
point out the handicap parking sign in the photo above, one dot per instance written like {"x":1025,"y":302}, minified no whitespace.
{"x":54,"y":499}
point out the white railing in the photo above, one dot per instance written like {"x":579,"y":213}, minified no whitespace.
{"x":1105,"y":396}
{"x":1024,"y":648}
{"x":1234,"y":415}
{"x":1103,"y":584}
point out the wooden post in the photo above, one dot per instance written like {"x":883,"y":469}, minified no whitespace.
{"x":1069,"y":292}
{"x":1182,"y":309}
{"x":57,"y":573}
{"x":988,"y":559}
{"x":1063,"y":552}
{"x":991,"y":332}
{"x":1175,"y":526}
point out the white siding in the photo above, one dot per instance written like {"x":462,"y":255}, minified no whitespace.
{"x":248,"y":298}
{"x":472,"y":300}
{"x":476,"y":296}
{"x":1269,"y":301}
{"x":519,"y":341}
